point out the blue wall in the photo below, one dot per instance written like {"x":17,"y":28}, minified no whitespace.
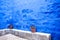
{"x":44,"y":14}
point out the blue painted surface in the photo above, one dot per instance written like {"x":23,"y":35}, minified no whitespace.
{"x":44,"y":14}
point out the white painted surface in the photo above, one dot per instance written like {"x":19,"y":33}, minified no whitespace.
{"x":11,"y":37}
{"x":27,"y":34}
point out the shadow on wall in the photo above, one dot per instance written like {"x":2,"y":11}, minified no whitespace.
{"x":27,"y":11}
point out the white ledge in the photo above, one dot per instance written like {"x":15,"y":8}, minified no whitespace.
{"x":27,"y":34}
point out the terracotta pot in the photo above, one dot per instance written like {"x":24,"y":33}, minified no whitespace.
{"x":10,"y":26}
{"x":33,"y":30}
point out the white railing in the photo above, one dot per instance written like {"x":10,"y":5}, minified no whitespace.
{"x":26,"y":34}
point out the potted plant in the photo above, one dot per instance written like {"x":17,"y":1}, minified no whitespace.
{"x":33,"y":29}
{"x":10,"y":26}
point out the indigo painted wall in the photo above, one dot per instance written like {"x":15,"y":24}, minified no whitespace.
{"x":44,"y":14}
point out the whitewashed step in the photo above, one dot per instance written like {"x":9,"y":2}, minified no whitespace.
{"x":11,"y":37}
